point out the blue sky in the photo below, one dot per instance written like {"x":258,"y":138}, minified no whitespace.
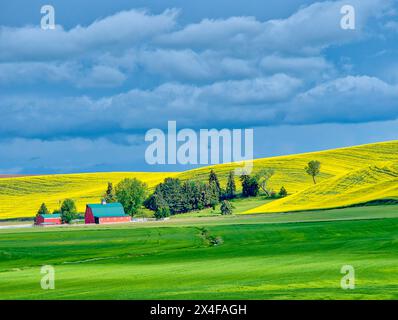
{"x":80,"y":98}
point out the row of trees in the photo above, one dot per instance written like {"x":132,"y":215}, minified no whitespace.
{"x":174,"y":196}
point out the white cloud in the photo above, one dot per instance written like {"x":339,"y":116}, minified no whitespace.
{"x":102,"y":76}
{"x":121,"y":30}
{"x":348,"y":99}
{"x":298,"y":65}
{"x":307,"y":31}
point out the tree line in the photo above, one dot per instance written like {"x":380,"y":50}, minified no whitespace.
{"x":174,"y":196}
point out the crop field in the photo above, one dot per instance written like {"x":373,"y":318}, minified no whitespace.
{"x":275,"y":256}
{"x":348,"y":176}
{"x":22,"y":196}
{"x":357,"y":187}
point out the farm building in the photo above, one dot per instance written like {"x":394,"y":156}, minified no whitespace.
{"x":105,"y":213}
{"x":48,"y":219}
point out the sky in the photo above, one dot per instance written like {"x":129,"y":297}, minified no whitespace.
{"x":80,"y":97}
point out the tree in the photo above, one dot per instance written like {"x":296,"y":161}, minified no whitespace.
{"x":262,"y":178}
{"x":226,"y":208}
{"x":131,"y":193}
{"x":214,"y":195}
{"x":109,"y":195}
{"x":313,"y":169}
{"x":68,"y":211}
{"x":250,"y":187}
{"x":182,"y":197}
{"x":214,"y":179}
{"x":168,"y":193}
{"x":283,"y":192}
{"x":162,"y":213}
{"x":230,"y":191}
{"x":43,"y":209}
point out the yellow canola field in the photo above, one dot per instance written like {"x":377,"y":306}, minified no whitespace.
{"x":22,"y":196}
{"x":348,"y":176}
{"x":378,"y":182}
{"x":338,"y":167}
{"x":289,"y":170}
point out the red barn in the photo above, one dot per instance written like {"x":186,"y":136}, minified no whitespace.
{"x":48,"y":219}
{"x":105,"y":213}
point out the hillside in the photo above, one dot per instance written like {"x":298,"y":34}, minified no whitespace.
{"x":289,"y":170}
{"x":21,"y":197}
{"x":348,"y":176}
{"x":360,"y":186}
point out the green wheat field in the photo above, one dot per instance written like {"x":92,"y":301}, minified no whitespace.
{"x":273,"y":256}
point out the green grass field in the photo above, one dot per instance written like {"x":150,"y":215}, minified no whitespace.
{"x":268,"y":256}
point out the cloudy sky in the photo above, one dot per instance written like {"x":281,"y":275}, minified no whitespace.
{"x":80,"y":98}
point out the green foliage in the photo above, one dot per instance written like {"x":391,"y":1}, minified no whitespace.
{"x":162,"y":213}
{"x":68,"y":211}
{"x":282,"y":192}
{"x":250,"y":186}
{"x":213,"y":180}
{"x":214,"y":194}
{"x":131,"y":193}
{"x":43,"y":209}
{"x":167,"y":193}
{"x":230,"y":191}
{"x":109,"y":195}
{"x":313,"y":169}
{"x":182,"y":197}
{"x":262,"y":178}
{"x":226,"y":207}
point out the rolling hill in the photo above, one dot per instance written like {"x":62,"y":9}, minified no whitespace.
{"x":21,"y":196}
{"x":377,"y":182}
{"x":348,"y":176}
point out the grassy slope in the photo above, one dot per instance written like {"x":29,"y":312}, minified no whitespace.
{"x":21,"y":197}
{"x":259,"y":259}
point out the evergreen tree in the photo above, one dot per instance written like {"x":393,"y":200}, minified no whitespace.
{"x":230,"y":191}
{"x":226,"y":208}
{"x":214,"y":195}
{"x":43,"y":209}
{"x":214,"y":179}
{"x":250,"y":186}
{"x":283,"y":192}
{"x":109,"y":195}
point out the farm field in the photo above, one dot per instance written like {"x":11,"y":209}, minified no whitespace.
{"x":22,"y":196}
{"x":276,"y":256}
{"x":348,"y":176}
